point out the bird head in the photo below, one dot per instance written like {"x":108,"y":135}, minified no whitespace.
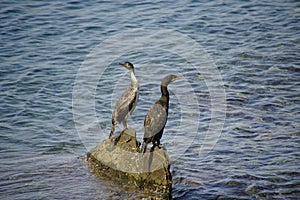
{"x":127,"y":65}
{"x":170,"y":78}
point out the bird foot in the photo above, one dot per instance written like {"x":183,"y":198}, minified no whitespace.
{"x":159,"y":146}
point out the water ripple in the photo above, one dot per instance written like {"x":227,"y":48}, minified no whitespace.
{"x":254,"y":44}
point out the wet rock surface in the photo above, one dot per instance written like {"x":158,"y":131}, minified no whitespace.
{"x":120,"y":160}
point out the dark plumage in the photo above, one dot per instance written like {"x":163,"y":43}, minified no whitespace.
{"x":157,"y":116}
{"x":127,"y":101}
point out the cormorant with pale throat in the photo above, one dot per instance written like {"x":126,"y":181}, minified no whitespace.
{"x":127,"y":101}
{"x":157,"y":116}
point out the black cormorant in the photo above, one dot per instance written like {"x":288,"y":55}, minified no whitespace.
{"x":157,"y":116}
{"x":127,"y":101}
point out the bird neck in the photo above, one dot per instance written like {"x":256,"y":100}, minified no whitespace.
{"x":164,"y":94}
{"x":134,"y":82}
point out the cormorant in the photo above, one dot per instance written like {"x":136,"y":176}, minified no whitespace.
{"x":157,"y":116}
{"x":127,"y":101}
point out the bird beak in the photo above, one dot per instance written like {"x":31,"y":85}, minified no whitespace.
{"x":123,"y":64}
{"x":179,"y":77}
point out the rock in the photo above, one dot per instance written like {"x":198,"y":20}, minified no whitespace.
{"x":119,"y":158}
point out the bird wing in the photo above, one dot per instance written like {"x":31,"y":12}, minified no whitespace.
{"x":155,"y":120}
{"x":133,"y":103}
{"x":125,"y":103}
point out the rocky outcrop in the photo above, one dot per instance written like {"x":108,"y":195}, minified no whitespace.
{"x":119,"y":158}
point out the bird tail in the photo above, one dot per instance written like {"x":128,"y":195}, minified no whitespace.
{"x":144,"y":148}
{"x":112,"y":130}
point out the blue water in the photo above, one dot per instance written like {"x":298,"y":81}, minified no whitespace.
{"x":254,"y":45}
